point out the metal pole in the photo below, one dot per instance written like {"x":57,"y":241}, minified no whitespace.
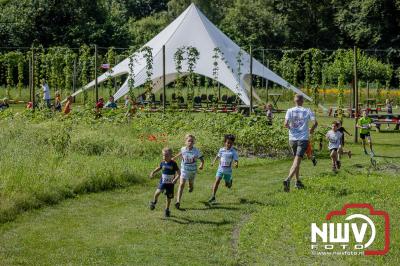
{"x":95,"y":73}
{"x":164,"y":80}
{"x":355,"y":95}
{"x":251,"y":80}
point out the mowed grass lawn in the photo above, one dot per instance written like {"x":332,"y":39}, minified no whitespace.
{"x":253,"y":223}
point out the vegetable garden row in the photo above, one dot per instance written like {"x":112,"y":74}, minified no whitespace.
{"x":314,"y":70}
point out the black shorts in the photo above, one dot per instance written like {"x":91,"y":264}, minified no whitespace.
{"x":298,"y":147}
{"x":168,"y":189}
{"x":363,"y":136}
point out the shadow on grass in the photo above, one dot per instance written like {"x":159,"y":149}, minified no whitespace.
{"x":183,"y":220}
{"x":388,"y":157}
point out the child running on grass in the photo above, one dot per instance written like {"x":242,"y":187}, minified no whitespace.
{"x":170,"y":174}
{"x":189,"y":155}
{"x":227,"y":157}
{"x":364,"y":123}
{"x":334,"y":137}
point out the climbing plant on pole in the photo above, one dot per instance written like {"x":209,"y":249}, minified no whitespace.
{"x":131,"y":75}
{"x":239,"y":60}
{"x":316,"y":72}
{"x":216,"y":57}
{"x":148,"y":56}
{"x":84,"y":62}
{"x":178,"y":58}
{"x":192,"y":57}
{"x":110,"y":61}
{"x":68,"y":70}
{"x":307,"y":70}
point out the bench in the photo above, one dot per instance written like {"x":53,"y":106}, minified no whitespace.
{"x":385,"y":119}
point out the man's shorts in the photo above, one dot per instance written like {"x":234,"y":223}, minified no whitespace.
{"x":188,"y":175}
{"x":366,"y":135}
{"x":298,"y":147}
{"x":168,"y":189}
{"x":227,"y":176}
{"x":333,"y":149}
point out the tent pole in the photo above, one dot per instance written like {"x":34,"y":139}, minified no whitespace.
{"x":95,"y":73}
{"x":251,"y":81}
{"x":164,"y":85}
{"x":355,"y":95}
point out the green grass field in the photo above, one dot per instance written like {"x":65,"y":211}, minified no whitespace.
{"x":54,"y":216}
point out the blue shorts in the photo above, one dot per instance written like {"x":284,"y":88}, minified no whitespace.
{"x":227,"y":176}
{"x":168,"y":189}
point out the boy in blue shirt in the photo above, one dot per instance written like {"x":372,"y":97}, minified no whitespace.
{"x":228,"y":157}
{"x":170,"y":174}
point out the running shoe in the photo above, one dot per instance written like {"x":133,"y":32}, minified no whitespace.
{"x":229,"y":184}
{"x":152,"y":205}
{"x":178,"y":205}
{"x":299,"y":185}
{"x":338,"y":164}
{"x":372,"y":154}
{"x":191,"y":189}
{"x":167,"y":213}
{"x":286,"y":185}
{"x":211,"y":200}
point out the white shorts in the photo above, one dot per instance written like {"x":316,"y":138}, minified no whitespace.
{"x":188,"y":175}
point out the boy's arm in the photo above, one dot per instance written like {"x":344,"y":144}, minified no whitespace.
{"x":177,"y":156}
{"x":177,"y":175}
{"x":201,"y":163}
{"x":215,"y":159}
{"x":155,"y":171}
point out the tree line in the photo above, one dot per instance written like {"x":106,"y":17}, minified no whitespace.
{"x":302,"y":24}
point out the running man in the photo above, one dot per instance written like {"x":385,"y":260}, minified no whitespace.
{"x":364,"y":123}
{"x":296,"y":120}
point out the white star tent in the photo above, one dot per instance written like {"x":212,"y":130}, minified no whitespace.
{"x":192,"y":28}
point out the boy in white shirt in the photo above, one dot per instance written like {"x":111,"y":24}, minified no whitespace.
{"x":189,"y":156}
{"x":228,"y":157}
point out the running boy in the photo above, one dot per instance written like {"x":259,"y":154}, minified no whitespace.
{"x":170,"y":174}
{"x":334,"y":137}
{"x":189,"y":156}
{"x":364,"y":123}
{"x":227,"y":157}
